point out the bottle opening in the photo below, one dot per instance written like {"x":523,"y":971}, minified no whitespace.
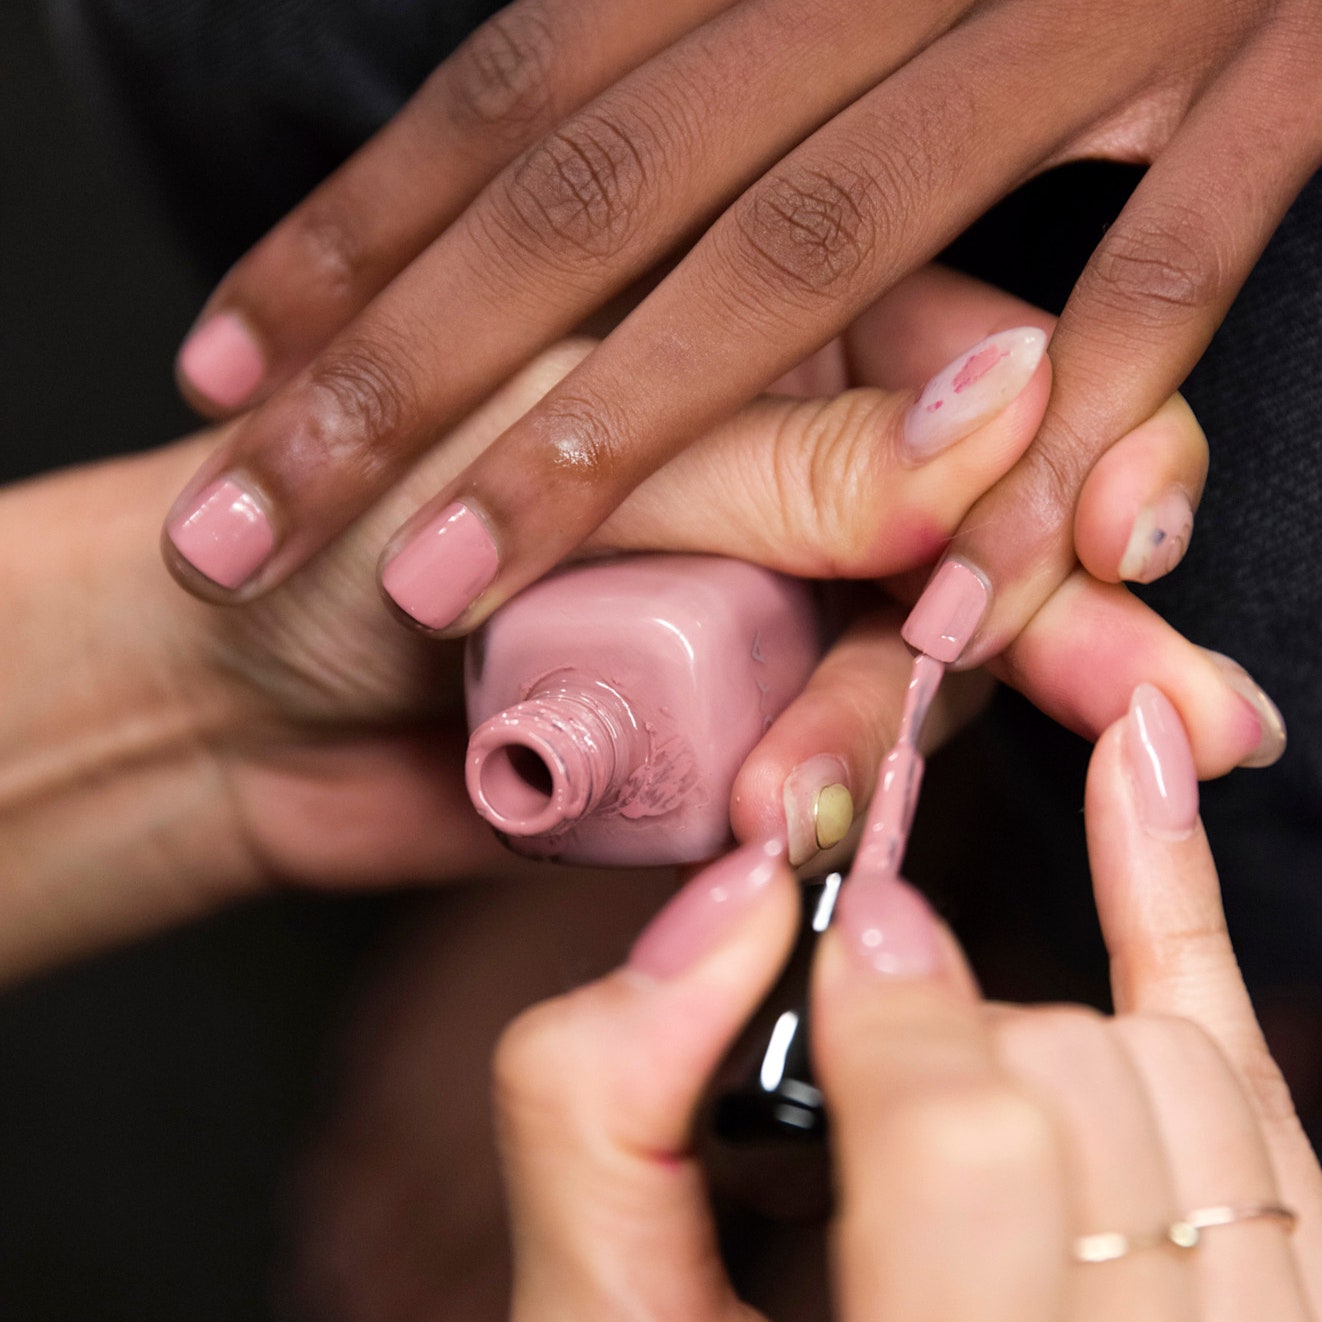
{"x":517,"y":785}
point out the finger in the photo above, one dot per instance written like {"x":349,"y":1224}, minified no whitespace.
{"x":596,"y":1093}
{"x":1135,"y":513}
{"x":1160,"y":908}
{"x":1083,"y":654}
{"x":1145,"y":308}
{"x":812,"y":775}
{"x":1217,"y":1158}
{"x":1119,"y":1177}
{"x":573,"y":221}
{"x":950,"y":1192}
{"x":514,"y":79}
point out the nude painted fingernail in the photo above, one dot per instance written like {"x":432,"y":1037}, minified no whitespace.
{"x":222,"y":361}
{"x":888,"y":928}
{"x":226,"y":535}
{"x":706,"y":912}
{"x":443,"y":568}
{"x":816,"y":798}
{"x":1270,"y":721}
{"x":970,"y":391}
{"x":947,"y":615}
{"x":1161,"y":763}
{"x":1159,"y":539}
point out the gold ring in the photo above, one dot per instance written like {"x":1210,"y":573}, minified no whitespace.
{"x":1185,"y":1232}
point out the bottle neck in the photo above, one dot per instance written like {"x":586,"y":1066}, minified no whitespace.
{"x":563,"y":753}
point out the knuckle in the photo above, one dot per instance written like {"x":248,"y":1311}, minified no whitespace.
{"x":1163,"y":267}
{"x":369,"y":390}
{"x":330,"y":248}
{"x":501,"y":79}
{"x":528,"y":1085}
{"x":579,"y":440}
{"x":579,"y":190}
{"x":807,"y":233}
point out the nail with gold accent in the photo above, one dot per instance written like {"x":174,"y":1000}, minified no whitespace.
{"x":819,"y":808}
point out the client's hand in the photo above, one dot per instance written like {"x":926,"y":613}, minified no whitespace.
{"x":987,"y":1158}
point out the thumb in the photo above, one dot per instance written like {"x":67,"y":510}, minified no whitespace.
{"x":595,"y":1097}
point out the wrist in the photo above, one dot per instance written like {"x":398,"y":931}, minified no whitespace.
{"x":113,"y":816}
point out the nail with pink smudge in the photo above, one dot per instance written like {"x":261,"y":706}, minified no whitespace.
{"x":971,"y":391}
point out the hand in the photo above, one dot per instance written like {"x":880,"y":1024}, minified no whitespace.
{"x":577,"y":146}
{"x":152,"y":773}
{"x":975,"y":1145}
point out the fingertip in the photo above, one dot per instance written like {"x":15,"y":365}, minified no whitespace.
{"x":221,"y":364}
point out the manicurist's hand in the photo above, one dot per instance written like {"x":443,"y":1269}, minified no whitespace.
{"x":991,"y":1162}
{"x":159,"y":756}
{"x":801,"y":158}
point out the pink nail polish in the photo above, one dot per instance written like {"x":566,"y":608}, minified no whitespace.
{"x":613,"y":703}
{"x":1159,"y":538}
{"x":948,"y":614}
{"x":971,"y":391}
{"x":888,"y":928}
{"x":1161,"y":763}
{"x":706,"y":912}
{"x":227,"y":535}
{"x":444,"y":568}
{"x":222,"y":361}
{"x":800,"y":796}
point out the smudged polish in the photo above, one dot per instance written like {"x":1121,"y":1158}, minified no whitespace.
{"x":947,"y":615}
{"x":1270,"y":721}
{"x":819,"y":808}
{"x":222,"y":361}
{"x":705,"y":913}
{"x":442,"y":569}
{"x":971,"y":391}
{"x":1161,"y":764}
{"x":888,"y":928}
{"x":226,"y":535}
{"x":1159,"y":538}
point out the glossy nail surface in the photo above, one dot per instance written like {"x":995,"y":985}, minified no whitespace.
{"x":1270,"y":721}
{"x":222,"y":361}
{"x":443,"y":568}
{"x":227,"y":535}
{"x":947,"y":615}
{"x":816,"y":796}
{"x":1159,"y":539}
{"x":1161,"y":764}
{"x":888,"y":928}
{"x":971,"y":390}
{"x":705,"y":912}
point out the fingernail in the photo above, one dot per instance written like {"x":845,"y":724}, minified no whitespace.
{"x":706,"y":912}
{"x":227,"y":535}
{"x":222,"y":360}
{"x":444,"y":568}
{"x":947,"y":615}
{"x":888,"y":928}
{"x":1270,"y":721}
{"x":1159,"y":539}
{"x":971,"y":390}
{"x":1161,"y":763}
{"x":819,"y":808}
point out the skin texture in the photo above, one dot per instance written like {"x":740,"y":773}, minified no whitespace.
{"x":797,"y":160}
{"x":153,"y":773}
{"x":972,"y":1142}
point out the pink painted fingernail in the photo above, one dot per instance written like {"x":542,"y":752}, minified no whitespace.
{"x":1271,"y":724}
{"x":222,"y":360}
{"x":971,"y":391}
{"x":1161,"y":763}
{"x":226,"y":535}
{"x":888,"y":928}
{"x":706,"y":912}
{"x":444,"y":568}
{"x":1159,"y":538}
{"x":947,"y":615}
{"x":819,"y":808}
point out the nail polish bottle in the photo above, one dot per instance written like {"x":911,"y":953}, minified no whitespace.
{"x":763,"y":1126}
{"x":612,"y":703}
